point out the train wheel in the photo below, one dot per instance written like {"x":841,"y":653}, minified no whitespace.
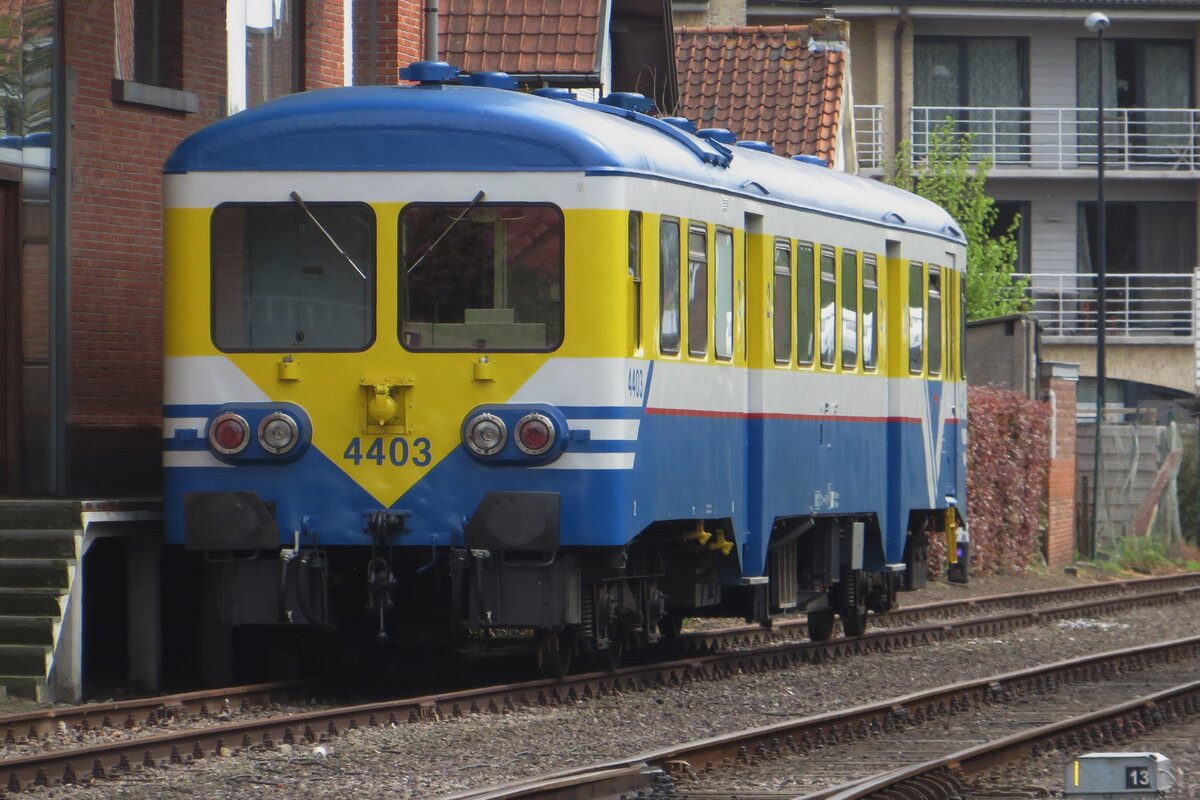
{"x":554,"y":655}
{"x":820,"y":625}
{"x":609,"y":658}
{"x":670,"y":625}
{"x":853,"y":608}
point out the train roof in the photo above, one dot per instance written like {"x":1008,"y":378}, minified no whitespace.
{"x":436,"y":128}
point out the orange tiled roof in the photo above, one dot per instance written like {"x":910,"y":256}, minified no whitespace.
{"x":522,"y":37}
{"x":762,"y":83}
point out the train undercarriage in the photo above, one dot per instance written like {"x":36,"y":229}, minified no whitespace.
{"x":571,"y":607}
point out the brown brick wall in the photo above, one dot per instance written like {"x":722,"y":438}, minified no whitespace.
{"x":117,"y":153}
{"x":399,"y":33}
{"x":1060,"y":528}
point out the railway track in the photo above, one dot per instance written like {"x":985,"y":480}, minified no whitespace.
{"x":223,"y":731}
{"x":912,"y":746}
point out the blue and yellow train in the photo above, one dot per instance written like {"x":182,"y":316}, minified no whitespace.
{"x":456,"y":359}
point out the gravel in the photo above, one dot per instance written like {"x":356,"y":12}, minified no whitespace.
{"x":429,"y":760}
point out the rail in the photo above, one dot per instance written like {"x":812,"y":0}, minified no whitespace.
{"x":1065,"y":138}
{"x":1136,"y":305}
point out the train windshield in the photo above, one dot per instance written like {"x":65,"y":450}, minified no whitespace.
{"x":481,"y":276}
{"x":288,"y":277}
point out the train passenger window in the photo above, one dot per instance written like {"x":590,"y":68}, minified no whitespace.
{"x":723,"y":316}
{"x":849,"y":309}
{"x":635,"y":275}
{"x":698,"y":291}
{"x":935,"y":320}
{"x":805,"y":298}
{"x":828,"y":307}
{"x":668,"y":264}
{"x":481,"y":276}
{"x":286,"y":277}
{"x":781,"y":301}
{"x":948,"y":311}
{"x":870,"y":312}
{"x":916,"y":317}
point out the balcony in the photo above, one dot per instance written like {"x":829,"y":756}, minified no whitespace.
{"x":1159,"y":139}
{"x":1150,"y":308}
{"x":868,"y":136}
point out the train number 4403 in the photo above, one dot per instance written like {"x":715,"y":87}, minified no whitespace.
{"x":398,"y":451}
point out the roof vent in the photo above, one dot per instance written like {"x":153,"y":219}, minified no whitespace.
{"x":722,"y":135}
{"x":630,"y":101}
{"x":804,"y":158}
{"x":761,"y":147}
{"x":491,"y":80}
{"x":555,"y":93}
{"x":683,"y":123}
{"x":429,"y":72}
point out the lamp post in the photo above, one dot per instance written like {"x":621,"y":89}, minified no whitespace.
{"x":1098,"y":23}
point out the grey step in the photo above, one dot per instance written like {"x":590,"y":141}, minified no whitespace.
{"x":24,"y":687}
{"x":35,"y":574}
{"x":22,"y":660}
{"x":30,"y":603}
{"x":40,"y":514}
{"x":38,"y":544}
{"x":27,"y":630}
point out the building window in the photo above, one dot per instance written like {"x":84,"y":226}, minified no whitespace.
{"x":1151,"y":76}
{"x":1007,"y":213}
{"x":969,"y":79}
{"x":149,"y":42}
{"x":265,"y":50}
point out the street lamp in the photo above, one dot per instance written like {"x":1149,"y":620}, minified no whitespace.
{"x":1098,"y":23}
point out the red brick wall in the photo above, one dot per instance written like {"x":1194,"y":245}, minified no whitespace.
{"x":1060,"y":527}
{"x":117,"y":153}
{"x":397,"y":44}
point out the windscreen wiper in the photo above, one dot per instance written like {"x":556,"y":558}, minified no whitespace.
{"x":300,"y":202}
{"x":478,"y":199}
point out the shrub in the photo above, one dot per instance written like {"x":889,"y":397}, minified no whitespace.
{"x":1008,"y":459}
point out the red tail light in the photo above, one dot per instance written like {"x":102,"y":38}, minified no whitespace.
{"x":535,"y":434}
{"x":229,"y":434}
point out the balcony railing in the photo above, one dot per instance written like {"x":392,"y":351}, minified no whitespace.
{"x":1065,"y":138}
{"x":868,"y":136}
{"x":1141,"y":305}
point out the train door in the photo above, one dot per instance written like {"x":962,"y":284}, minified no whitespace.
{"x":754,"y":309}
{"x":10,"y":340}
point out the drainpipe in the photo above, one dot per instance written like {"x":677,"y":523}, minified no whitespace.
{"x":898,"y":81}
{"x":431,"y":30}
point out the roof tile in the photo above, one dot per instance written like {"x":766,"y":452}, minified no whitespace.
{"x":522,"y":37}
{"x":761,"y":82}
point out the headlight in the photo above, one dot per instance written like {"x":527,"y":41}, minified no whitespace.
{"x":485,"y":434}
{"x":229,"y":434}
{"x":277,"y":433}
{"x":534,"y":434}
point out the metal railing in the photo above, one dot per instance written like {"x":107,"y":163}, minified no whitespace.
{"x":1065,"y":138}
{"x":868,"y":136}
{"x":1139,"y":305}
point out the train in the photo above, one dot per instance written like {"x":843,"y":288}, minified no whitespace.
{"x":454,"y":365}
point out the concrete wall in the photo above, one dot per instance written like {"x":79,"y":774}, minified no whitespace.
{"x":1169,"y":365}
{"x":1003,"y":352}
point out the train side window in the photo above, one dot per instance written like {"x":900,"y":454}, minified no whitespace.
{"x":697,"y":291}
{"x":781,"y":302}
{"x":949,"y":311}
{"x":668,"y":261}
{"x":916,"y":317}
{"x":935,"y":320}
{"x":635,"y":275}
{"x":828,"y":306}
{"x":870,"y":312}
{"x":849,"y":309}
{"x":279,"y":283}
{"x":723,"y":305}
{"x":806,"y":343}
